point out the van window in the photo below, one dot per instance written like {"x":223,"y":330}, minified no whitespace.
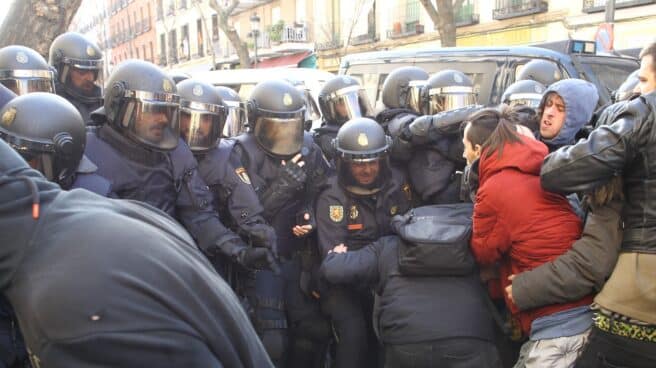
{"x":610,"y":72}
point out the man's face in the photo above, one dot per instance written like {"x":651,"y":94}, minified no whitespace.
{"x":341,"y":109}
{"x":470,"y":153}
{"x":201,"y":130}
{"x":646,"y":75}
{"x":151,"y":126}
{"x":553,"y":116}
{"x":83,"y":79}
{"x":365,"y":173}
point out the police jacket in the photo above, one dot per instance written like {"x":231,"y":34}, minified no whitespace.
{"x":323,"y":137}
{"x":355,"y":221}
{"x":445,"y":300}
{"x":281,"y":202}
{"x":625,"y":145}
{"x":234,"y":195}
{"x":84,"y":108}
{"x":107,"y":283}
{"x":168,"y":181}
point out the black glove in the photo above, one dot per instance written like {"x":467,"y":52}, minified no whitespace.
{"x":258,"y":258}
{"x":263,"y":235}
{"x":417,"y":131}
{"x":291,"y":177}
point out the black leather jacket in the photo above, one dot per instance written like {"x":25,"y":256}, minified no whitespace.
{"x":626,"y":147}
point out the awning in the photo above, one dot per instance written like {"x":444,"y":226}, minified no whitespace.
{"x":292,"y":60}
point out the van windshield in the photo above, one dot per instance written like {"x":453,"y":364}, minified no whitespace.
{"x":611,"y":72}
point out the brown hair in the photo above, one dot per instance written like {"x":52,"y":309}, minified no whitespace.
{"x":650,"y":50}
{"x":492,"y":128}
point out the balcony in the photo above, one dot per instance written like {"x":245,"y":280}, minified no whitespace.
{"x":138,"y":28}
{"x":400,"y":30}
{"x":595,"y":6}
{"x":295,"y":33}
{"x":365,"y":38}
{"x":145,"y":25}
{"x":466,"y":15}
{"x":505,"y":9}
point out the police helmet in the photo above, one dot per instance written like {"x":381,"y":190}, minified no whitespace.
{"x":276,"y":116}
{"x":142,"y":104}
{"x":626,"y":89}
{"x":543,"y":71}
{"x":342,"y":99}
{"x":402,"y":88}
{"x":202,"y":114}
{"x":79,"y":65}
{"x":236,"y":119}
{"x":179,"y":76}
{"x":23,"y":70}
{"x":311,"y":110}
{"x":524,"y":92}
{"x":362,"y":141}
{"x":447,"y":90}
{"x":48,"y":131}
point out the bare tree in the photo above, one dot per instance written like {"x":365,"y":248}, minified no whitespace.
{"x":36,"y":23}
{"x":230,"y":31}
{"x":359,"y":7}
{"x":206,"y":29}
{"x":443,"y":18}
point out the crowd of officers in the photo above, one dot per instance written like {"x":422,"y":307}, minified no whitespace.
{"x":311,"y":230}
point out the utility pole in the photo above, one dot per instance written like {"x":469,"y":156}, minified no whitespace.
{"x":610,"y":11}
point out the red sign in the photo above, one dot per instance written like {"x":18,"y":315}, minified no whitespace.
{"x":605,"y":37}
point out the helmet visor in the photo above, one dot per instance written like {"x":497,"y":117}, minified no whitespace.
{"x":413,"y":96}
{"x":235,"y":123}
{"x":526,"y":99}
{"x":201,"y":129}
{"x":281,"y":137}
{"x":150,"y":120}
{"x":449,"y":98}
{"x":28,"y":85}
{"x":348,"y":103}
{"x":83,"y":78}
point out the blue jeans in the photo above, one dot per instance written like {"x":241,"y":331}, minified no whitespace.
{"x":444,"y":353}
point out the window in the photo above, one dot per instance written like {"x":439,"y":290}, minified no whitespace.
{"x":143,"y":49}
{"x":185,"y":51}
{"x":152,"y":55}
{"x":199,"y":37}
{"x":215,"y":27}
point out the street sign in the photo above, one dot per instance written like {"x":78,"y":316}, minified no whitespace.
{"x":605,"y":37}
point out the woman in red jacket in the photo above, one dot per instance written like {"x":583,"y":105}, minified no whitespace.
{"x":519,"y":226}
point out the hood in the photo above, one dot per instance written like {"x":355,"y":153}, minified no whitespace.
{"x":526,"y":158}
{"x":20,"y":189}
{"x":580,"y":99}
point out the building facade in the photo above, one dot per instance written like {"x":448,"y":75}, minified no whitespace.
{"x":131,"y":31}
{"x":92,"y":21}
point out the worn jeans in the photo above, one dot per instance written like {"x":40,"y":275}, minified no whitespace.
{"x":444,"y":353}
{"x":613,"y":351}
{"x":560,"y":352}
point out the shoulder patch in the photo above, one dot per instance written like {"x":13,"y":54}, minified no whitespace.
{"x":243,"y":175}
{"x":336,"y":213}
{"x":394,"y":210}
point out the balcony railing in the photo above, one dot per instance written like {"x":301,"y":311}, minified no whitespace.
{"x":365,"y":38}
{"x":295,"y":33}
{"x":400,"y":30}
{"x":593,"y":6}
{"x":505,"y":9}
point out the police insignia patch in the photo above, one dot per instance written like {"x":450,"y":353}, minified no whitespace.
{"x":287,"y":99}
{"x":91,"y":51}
{"x":336,"y":213}
{"x":8,"y":116}
{"x":363,"y":140}
{"x":353,"y":212}
{"x":197,"y":90}
{"x":394,"y":210}
{"x":21,"y":57}
{"x":167,"y":85}
{"x":243,"y":175}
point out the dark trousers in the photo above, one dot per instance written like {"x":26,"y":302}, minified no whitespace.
{"x":444,"y":353}
{"x":613,"y":351}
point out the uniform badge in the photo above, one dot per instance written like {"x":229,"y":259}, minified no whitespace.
{"x":363,"y":140}
{"x":21,"y":57}
{"x":8,"y":116}
{"x":353,"y":213}
{"x":408,"y":192}
{"x":394,"y":210}
{"x":91,"y":51}
{"x":243,"y":175}
{"x":287,"y":99}
{"x":336,"y":213}
{"x":197,"y":90}
{"x":167,"y":85}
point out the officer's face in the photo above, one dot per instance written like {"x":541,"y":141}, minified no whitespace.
{"x":646,"y":75}
{"x":83,"y":79}
{"x":471,"y":152}
{"x":365,"y":173}
{"x":151,"y":126}
{"x":553,"y":116}
{"x":201,"y":130}
{"x":341,"y":109}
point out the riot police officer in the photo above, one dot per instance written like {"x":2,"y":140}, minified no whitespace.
{"x":49,"y":133}
{"x":235,"y":120}
{"x":340,"y":100}
{"x":286,"y":169}
{"x":202,"y":118}
{"x":543,"y":71}
{"x":138,"y":150}
{"x":311,"y":109}
{"x":24,"y":70}
{"x":79,"y":65}
{"x":355,"y":210}
{"x":524,"y":96}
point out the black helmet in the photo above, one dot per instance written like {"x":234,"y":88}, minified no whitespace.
{"x":48,"y":131}
{"x":447,"y":90}
{"x":179,"y":76}
{"x":79,"y":65}
{"x":342,"y":99}
{"x":276,"y":115}
{"x":202,"y":114}
{"x":625,"y":90}
{"x":543,"y":71}
{"x":402,"y":88}
{"x":141,"y":103}
{"x":524,"y":92}
{"x":236,"y":120}
{"x":23,"y":70}
{"x":311,"y":110}
{"x":362,"y":141}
